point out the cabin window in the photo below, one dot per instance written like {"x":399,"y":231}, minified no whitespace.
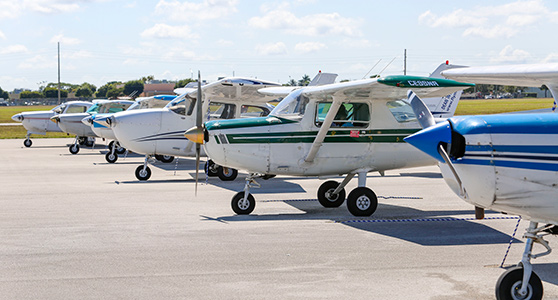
{"x":401,"y":111}
{"x":221,"y":111}
{"x":76,"y":109}
{"x":182,"y":106}
{"x":252,"y":111}
{"x":348,"y":115}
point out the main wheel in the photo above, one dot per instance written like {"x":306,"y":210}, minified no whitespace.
{"x":142,"y":174}
{"x":111,"y":157}
{"x":211,"y":169}
{"x":74,"y":148}
{"x":226,"y":174}
{"x":27,"y":143}
{"x":362,"y":202}
{"x":166,"y":158}
{"x":509,"y":284}
{"x":241,"y":207}
{"x":326,"y":197}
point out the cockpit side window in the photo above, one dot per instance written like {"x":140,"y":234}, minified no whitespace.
{"x":219,"y":110}
{"x":294,"y":104}
{"x":401,"y":111}
{"x":74,"y":109}
{"x":251,"y":111}
{"x":348,"y":115}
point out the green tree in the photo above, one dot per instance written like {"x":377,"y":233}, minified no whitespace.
{"x":31,"y":94}
{"x":4,"y":94}
{"x":51,"y":92}
{"x":133,"y":86}
{"x":305,"y":80}
{"x":114,"y":92}
{"x":102,"y":91}
{"x":147,"y":79}
{"x":84,"y":91}
{"x":183,"y":82}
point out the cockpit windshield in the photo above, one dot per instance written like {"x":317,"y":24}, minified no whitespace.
{"x":182,"y":105}
{"x":94,"y":108}
{"x":402,"y":111}
{"x":59,"y":109}
{"x":293,"y":105}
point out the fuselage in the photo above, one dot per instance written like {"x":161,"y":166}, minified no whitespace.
{"x":370,"y":140}
{"x":38,"y":122}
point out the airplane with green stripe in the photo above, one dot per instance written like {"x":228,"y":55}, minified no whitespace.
{"x":350,"y":128}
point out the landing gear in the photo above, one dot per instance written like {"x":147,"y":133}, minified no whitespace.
{"x":119,"y":149}
{"x":211,"y":168}
{"x":521,"y":282}
{"x":143,"y":172}
{"x":243,"y":203}
{"x":111,"y":157}
{"x":27,"y":143}
{"x":226,"y":174}
{"x":164,"y":158}
{"x":74,"y":148}
{"x":329,"y":196}
{"x":362,"y":202}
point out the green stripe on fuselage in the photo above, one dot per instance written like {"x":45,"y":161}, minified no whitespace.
{"x":333,"y":136}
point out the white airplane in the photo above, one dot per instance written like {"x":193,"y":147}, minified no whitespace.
{"x":505,"y":162}
{"x":159,"y":132}
{"x":38,"y":122}
{"x":158,"y":101}
{"x":345,"y":128}
{"x":71,"y":123}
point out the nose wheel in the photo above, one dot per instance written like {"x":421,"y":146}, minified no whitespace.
{"x":242,"y":205}
{"x":327,"y":195}
{"x":143,"y":173}
{"x":27,"y":143}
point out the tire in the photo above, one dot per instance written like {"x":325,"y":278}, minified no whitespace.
{"x":74,"y":148}
{"x":89,"y":142}
{"x":226,"y":174}
{"x":509,"y":284}
{"x":166,"y":158}
{"x":141,"y":174}
{"x":27,"y":143}
{"x":362,"y":202}
{"x":110,"y":145}
{"x":211,"y":169}
{"x":111,"y":158}
{"x":327,"y":200}
{"x":243,"y":208}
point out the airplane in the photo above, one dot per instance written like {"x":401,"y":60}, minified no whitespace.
{"x":343,"y":128}
{"x":37,"y":122}
{"x":159,"y":132}
{"x":158,"y":101}
{"x":71,"y":123}
{"x":503,"y":162}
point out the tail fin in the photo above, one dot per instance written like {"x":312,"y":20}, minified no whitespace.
{"x":323,"y":79}
{"x":443,"y":107}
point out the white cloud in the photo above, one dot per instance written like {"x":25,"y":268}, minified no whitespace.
{"x":272,"y":49}
{"x":489,"y":22}
{"x":309,"y":47}
{"x":225,"y":43}
{"x":511,"y":55}
{"x":64,"y":40}
{"x":13,"y":49}
{"x":310,"y":25}
{"x":39,"y":62}
{"x":551,"y":58}
{"x":2,"y":35}
{"x":164,"y":31}
{"x":13,"y":9}
{"x":188,"y":11}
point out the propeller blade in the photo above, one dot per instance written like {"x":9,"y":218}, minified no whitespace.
{"x":198,"y":129}
{"x":197,"y":167}
{"x":424,"y":116}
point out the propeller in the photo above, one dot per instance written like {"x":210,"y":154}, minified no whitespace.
{"x":198,"y":129}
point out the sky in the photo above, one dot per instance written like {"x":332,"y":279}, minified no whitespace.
{"x":121,"y":40}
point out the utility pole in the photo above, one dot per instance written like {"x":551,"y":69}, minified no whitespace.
{"x":58,"y":73}
{"x":405,"y":62}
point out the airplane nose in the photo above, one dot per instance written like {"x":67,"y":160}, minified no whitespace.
{"x":17,"y":117}
{"x":108,"y":121}
{"x":427,"y":140}
{"x":55,"y":119}
{"x":88,"y":121}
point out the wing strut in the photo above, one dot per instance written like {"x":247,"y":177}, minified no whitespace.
{"x":320,"y":137}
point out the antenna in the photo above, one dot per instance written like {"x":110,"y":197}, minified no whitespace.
{"x":363,"y":77}
{"x":387,"y":65}
{"x":405,"y":62}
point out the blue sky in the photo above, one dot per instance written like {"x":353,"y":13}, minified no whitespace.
{"x":109,"y":40}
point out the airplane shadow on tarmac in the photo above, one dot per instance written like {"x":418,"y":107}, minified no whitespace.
{"x":427,"y":228}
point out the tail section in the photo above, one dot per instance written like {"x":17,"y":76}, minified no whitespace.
{"x":323,"y":79}
{"x":443,"y":107}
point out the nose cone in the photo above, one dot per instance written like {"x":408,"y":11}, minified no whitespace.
{"x":17,"y":117}
{"x":88,"y":121}
{"x":427,"y":140}
{"x":195,"y":134}
{"x":107,"y":121}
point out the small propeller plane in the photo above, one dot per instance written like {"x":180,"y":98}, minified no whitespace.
{"x":37,"y":122}
{"x":505,"y":162}
{"x":158,"y":101}
{"x":159,"y":132}
{"x":343,"y":128}
{"x":71,"y":123}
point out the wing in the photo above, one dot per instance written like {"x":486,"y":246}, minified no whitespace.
{"x":387,"y":88}
{"x":533,"y":75}
{"x":237,"y":89}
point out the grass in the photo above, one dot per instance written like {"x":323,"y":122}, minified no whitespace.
{"x":465,"y":107}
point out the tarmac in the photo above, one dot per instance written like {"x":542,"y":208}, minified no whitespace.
{"x":77,"y":227}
